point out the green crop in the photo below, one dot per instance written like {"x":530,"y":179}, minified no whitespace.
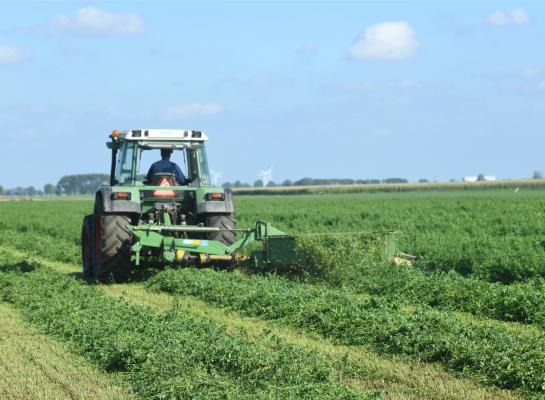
{"x":491,"y":353}
{"x":171,"y":356}
{"x":481,"y":253}
{"x":492,"y":236}
{"x":495,"y":236}
{"x":496,"y":232}
{"x":519,"y":302}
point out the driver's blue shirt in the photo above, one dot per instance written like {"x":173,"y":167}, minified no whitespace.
{"x":166,"y":166}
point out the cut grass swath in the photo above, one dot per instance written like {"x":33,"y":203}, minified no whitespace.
{"x":34,"y":366}
{"x":166,"y":356}
{"x":486,"y":353}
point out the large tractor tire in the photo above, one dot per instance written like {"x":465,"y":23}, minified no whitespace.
{"x":223,"y":221}
{"x":87,"y":246}
{"x":112,"y":248}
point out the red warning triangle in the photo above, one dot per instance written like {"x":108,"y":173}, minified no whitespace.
{"x":164,"y":182}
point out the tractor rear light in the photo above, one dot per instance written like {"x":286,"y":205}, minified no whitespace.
{"x":215,"y":196}
{"x":196,"y":134}
{"x":121,"y":196}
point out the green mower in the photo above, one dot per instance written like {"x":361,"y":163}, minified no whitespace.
{"x":137,"y":222}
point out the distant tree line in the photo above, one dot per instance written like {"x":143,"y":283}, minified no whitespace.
{"x":82,"y":184}
{"x":48,"y":189}
{"x":313,"y":182}
{"x":88,"y":184}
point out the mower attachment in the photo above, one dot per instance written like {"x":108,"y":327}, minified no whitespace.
{"x":278,"y":250}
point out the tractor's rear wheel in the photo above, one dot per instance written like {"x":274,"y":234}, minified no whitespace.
{"x":112,"y":248}
{"x":86,"y":246}
{"x":222,"y":221}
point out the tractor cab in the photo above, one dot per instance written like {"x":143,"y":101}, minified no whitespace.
{"x":133,"y":152}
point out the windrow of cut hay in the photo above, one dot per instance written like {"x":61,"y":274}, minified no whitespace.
{"x":489,"y":353}
{"x":175,"y":355}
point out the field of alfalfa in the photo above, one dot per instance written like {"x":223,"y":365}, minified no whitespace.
{"x":465,"y":321}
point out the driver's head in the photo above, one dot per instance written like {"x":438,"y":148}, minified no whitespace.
{"x":166,"y":153}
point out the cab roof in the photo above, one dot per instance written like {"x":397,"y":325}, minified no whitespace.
{"x":162,"y":135}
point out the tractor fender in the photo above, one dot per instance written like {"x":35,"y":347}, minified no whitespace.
{"x":104,"y":196}
{"x":218,"y":207}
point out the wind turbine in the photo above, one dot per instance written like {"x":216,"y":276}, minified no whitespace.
{"x":215,"y":177}
{"x":266,"y":176}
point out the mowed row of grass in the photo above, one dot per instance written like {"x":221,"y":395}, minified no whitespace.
{"x":35,"y":366}
{"x":395,"y":378}
{"x":173,"y":355}
{"x":421,"y":339}
{"x":483,"y":351}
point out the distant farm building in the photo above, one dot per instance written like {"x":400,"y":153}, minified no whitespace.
{"x":487,"y":178}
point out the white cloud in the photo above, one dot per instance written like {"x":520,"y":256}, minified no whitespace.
{"x":191,"y":109}
{"x":386,"y":41}
{"x":10,"y":54}
{"x":500,"y":18}
{"x":94,"y":21}
{"x":533,"y":79}
{"x":531,"y":72}
{"x":519,"y":17}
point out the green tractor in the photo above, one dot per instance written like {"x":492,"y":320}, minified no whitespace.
{"x":162,"y":221}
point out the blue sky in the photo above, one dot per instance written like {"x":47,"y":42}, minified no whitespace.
{"x":355,"y":90}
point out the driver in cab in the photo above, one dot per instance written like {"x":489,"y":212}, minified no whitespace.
{"x":167,"y":166}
